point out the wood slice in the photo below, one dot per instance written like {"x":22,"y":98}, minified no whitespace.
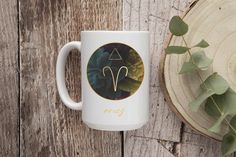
{"x":214,"y":21}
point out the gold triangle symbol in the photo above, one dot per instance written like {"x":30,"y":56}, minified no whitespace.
{"x":115,"y":55}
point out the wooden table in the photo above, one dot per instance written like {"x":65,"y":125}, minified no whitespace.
{"x":33,"y":121}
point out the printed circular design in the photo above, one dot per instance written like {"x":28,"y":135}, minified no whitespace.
{"x":115,"y":71}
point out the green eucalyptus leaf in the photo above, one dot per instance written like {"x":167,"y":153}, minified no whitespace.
{"x":202,"y":44}
{"x":226,"y":103}
{"x":176,"y":49}
{"x":129,"y":85}
{"x":211,"y":110}
{"x":233,"y":123}
{"x":177,"y":26}
{"x":228,"y":144}
{"x":194,"y":105}
{"x":214,"y":84}
{"x":199,"y":61}
{"x":188,"y":67}
{"x":217,"y":126}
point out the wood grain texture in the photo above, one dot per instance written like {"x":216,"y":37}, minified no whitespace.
{"x":215,"y":22}
{"x":47,"y":127}
{"x":163,"y":126}
{"x":144,"y":147}
{"x":9,"y":82}
{"x":195,"y":145}
{"x":154,"y":16}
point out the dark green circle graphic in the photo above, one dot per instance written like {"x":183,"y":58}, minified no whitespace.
{"x":115,"y":71}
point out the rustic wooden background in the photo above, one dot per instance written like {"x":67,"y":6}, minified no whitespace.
{"x":33,"y":121}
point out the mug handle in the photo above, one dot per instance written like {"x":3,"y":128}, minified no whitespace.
{"x":60,"y":75}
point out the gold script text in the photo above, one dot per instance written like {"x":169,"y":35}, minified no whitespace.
{"x":119,"y":111}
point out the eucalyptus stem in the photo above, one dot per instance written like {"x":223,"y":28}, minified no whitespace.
{"x":202,"y":81}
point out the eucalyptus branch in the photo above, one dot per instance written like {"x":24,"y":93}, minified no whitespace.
{"x":220,"y":98}
{"x":202,"y":82}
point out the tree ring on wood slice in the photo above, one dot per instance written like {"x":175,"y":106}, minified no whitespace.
{"x":214,"y":21}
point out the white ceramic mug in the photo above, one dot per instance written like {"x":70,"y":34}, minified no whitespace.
{"x":115,"y":79}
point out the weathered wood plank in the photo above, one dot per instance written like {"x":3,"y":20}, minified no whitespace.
{"x":143,"y":147}
{"x":195,"y":145}
{"x":9,"y":82}
{"x":154,"y":16}
{"x":47,"y":127}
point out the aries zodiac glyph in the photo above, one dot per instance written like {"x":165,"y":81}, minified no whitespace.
{"x":115,"y":81}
